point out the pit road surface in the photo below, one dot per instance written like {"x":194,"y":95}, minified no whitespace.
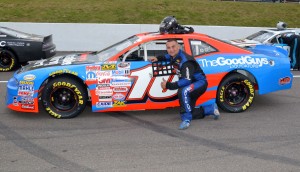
{"x":264,"y":138}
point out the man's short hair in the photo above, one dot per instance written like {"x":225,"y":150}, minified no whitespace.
{"x":172,"y":39}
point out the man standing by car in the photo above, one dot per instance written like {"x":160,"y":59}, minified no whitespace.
{"x":191,"y":85}
{"x":293,"y":41}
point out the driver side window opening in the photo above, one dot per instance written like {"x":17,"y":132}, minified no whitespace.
{"x":146,"y":50}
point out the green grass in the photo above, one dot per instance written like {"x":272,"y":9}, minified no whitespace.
{"x":188,"y":12}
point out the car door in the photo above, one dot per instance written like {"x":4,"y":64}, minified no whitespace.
{"x":145,"y":91}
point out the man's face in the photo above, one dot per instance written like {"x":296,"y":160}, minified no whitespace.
{"x":172,"y":48}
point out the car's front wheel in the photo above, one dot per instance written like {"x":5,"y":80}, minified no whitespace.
{"x":8,"y":60}
{"x":64,"y":97}
{"x":235,"y":93}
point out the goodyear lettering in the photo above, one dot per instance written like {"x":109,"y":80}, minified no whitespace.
{"x":251,"y":96}
{"x":222,"y":94}
{"x":63,"y":71}
{"x":73,"y":87}
{"x":52,"y":113}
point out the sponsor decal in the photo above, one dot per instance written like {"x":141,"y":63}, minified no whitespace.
{"x":120,"y":89}
{"x":26,"y":87}
{"x":109,"y":67}
{"x":124,"y":65}
{"x":93,"y":68}
{"x":15,"y":101}
{"x":285,"y":80}
{"x":26,"y":82}
{"x":29,"y":77}
{"x":105,"y":98}
{"x":63,"y":71}
{"x":15,"y":44}
{"x":121,"y":72}
{"x":25,"y":93}
{"x":243,"y":61}
{"x":118,"y":96}
{"x":103,"y":74}
{"x":120,"y":84}
{"x":104,"y":92}
{"x":103,"y":104}
{"x":27,"y":100}
{"x":90,"y":75}
{"x":104,"y":82}
{"x":118,"y":103}
{"x":2,"y":43}
{"x":31,"y":107}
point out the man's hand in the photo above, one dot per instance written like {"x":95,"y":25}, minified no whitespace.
{"x":163,"y":84}
{"x":153,"y":59}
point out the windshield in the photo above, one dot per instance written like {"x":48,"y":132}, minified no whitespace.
{"x":260,"y":36}
{"x":111,"y":51}
{"x":14,"y":33}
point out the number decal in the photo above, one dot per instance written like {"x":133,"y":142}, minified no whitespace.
{"x":145,"y":85}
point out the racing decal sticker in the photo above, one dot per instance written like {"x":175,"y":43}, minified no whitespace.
{"x":122,"y":72}
{"x":109,"y":67}
{"x":105,"y":98}
{"x":285,"y":80}
{"x":91,"y":72}
{"x":120,"y":89}
{"x":121,"y":83}
{"x":124,"y":65}
{"x":118,"y":96}
{"x":118,"y":103}
{"x":104,"y":82}
{"x":63,"y":71}
{"x":103,"y":104}
{"x":25,"y":88}
{"x":29,"y":77}
{"x":103,"y":74}
{"x":243,"y":61}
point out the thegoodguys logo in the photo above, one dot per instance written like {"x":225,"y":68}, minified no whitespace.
{"x":243,"y":61}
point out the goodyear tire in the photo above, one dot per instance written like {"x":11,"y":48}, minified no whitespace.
{"x":8,"y":61}
{"x":64,"y":97}
{"x":235,"y":93}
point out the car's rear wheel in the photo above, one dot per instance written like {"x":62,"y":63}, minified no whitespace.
{"x":64,"y":97}
{"x":8,"y":60}
{"x":235,"y":93}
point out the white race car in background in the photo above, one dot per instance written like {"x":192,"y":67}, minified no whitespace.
{"x":267,"y":36}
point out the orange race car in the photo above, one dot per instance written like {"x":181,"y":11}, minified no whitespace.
{"x":120,"y":77}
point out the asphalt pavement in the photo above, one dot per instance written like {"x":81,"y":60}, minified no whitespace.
{"x":264,"y":138}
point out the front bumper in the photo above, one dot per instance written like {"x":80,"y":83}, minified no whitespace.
{"x":20,"y":100}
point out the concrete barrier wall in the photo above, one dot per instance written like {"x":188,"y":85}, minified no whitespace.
{"x":93,"y":37}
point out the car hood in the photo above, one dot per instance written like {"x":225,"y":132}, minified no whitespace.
{"x":71,"y":59}
{"x":244,"y":42}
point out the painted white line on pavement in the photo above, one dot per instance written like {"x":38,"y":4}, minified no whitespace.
{"x":3,"y":81}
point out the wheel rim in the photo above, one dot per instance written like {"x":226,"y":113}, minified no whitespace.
{"x":63,"y":99}
{"x":236,"y":93}
{"x":5,"y":59}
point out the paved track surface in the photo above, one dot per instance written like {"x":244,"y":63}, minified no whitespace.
{"x":264,"y":138}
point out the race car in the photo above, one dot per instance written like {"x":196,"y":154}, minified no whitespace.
{"x":121,"y":78}
{"x":267,"y":36}
{"x":18,"y":48}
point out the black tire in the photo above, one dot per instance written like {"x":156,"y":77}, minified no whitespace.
{"x":235,"y":93}
{"x":8,"y":61}
{"x":64,"y":97}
